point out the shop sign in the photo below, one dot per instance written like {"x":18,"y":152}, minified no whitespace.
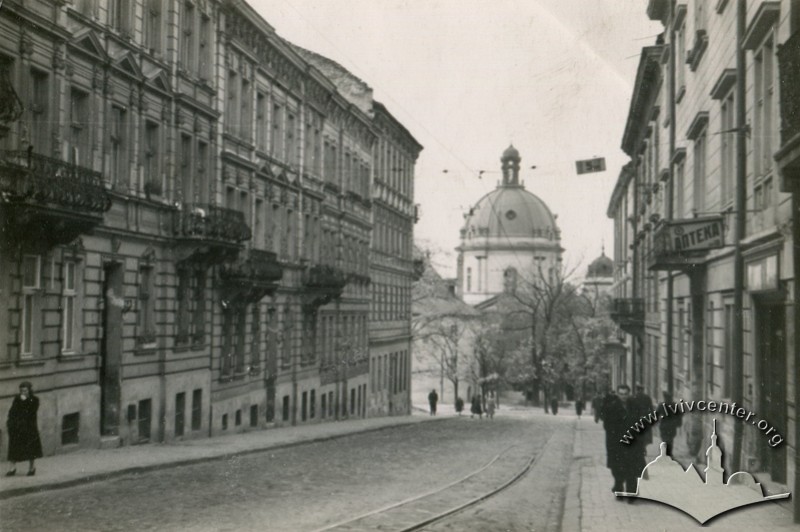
{"x":694,"y":234}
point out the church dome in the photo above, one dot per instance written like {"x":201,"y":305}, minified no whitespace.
{"x":602,"y":266}
{"x":511,"y":211}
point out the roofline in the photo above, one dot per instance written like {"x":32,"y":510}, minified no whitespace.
{"x":625,"y":176}
{"x":649,"y":65}
{"x":378,"y":106}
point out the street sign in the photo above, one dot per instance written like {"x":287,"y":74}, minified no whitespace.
{"x":598,"y":164}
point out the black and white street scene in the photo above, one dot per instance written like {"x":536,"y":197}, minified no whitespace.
{"x":395,"y":265}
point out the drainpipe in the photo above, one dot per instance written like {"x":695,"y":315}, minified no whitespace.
{"x":635,"y":266}
{"x":669,"y":203}
{"x":738,"y":264}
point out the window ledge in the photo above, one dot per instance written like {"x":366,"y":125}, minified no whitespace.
{"x":698,"y":51}
{"x":30,"y":362}
{"x":146,"y":350}
{"x":71,"y":357}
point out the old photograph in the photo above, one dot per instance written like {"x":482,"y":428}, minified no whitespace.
{"x":394,"y":265}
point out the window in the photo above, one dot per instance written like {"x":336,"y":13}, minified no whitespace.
{"x":203,"y":171}
{"x":255,"y":348}
{"x":180,"y":413}
{"x":204,"y":48}
{"x":285,"y":408}
{"x":78,"y":145}
{"x":187,"y":43}
{"x":86,"y":7}
{"x":152,"y":172}
{"x":197,"y":409}
{"x":291,"y":133}
{"x":232,"y":104}
{"x":245,"y":117}
{"x":680,"y":196}
{"x":763,"y":124}
{"x":276,"y":143}
{"x":119,"y":15}
{"x":31,"y":275}
{"x":253,"y":415}
{"x":469,"y":280}
{"x":70,"y":428}
{"x":119,"y":160}
{"x":224,"y":421}
{"x":238,"y":418}
{"x":147,"y":305}
{"x":39,"y":98}
{"x":152,"y":25}
{"x":699,"y":185}
{"x":261,"y":118}
{"x":728,"y":149}
{"x":304,"y":406}
{"x":68,"y":296}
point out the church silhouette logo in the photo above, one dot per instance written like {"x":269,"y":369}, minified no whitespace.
{"x":664,"y":480}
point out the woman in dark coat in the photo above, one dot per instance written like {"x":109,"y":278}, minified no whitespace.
{"x":23,"y":430}
{"x":476,"y":407}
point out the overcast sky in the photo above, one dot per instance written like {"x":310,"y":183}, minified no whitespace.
{"x":468,"y":77}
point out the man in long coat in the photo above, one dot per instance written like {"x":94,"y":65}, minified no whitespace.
{"x":625,"y":460}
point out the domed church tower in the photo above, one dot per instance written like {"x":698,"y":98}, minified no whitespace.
{"x":509,"y":237}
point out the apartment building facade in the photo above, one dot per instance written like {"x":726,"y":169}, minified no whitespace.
{"x":704,"y":240}
{"x":188,"y":214}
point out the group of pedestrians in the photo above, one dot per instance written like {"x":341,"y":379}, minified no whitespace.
{"x":477,"y":406}
{"x":619,"y":412}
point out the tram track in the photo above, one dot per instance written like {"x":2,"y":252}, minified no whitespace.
{"x":419,"y":511}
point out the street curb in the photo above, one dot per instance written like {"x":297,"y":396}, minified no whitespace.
{"x":98,"y":477}
{"x":571,"y":516}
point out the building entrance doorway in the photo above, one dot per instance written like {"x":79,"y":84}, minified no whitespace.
{"x":111,"y":349}
{"x":772,"y":371}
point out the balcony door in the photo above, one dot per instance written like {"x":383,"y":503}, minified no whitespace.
{"x":771,"y":358}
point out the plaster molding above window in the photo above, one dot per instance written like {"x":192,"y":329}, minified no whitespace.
{"x":764,"y":19}
{"x":680,"y":16}
{"x":679,"y":156}
{"x":697,"y":52}
{"x":726,"y":80}
{"x":698,"y":125}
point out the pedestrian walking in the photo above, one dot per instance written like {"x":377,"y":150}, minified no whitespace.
{"x":23,"y":430}
{"x":433,"y":398}
{"x":625,"y":460}
{"x":579,"y":406}
{"x":491,"y":404}
{"x":459,"y":405}
{"x":476,"y":408}
{"x":644,"y":405}
{"x":554,"y":405}
{"x":669,"y":425}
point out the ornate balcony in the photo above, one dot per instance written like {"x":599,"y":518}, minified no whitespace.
{"x":255,"y":274}
{"x":209,"y":234}
{"x":323,"y":283}
{"x":628,"y":314}
{"x":788,"y":156}
{"x":683,"y":244}
{"x":45,"y":202}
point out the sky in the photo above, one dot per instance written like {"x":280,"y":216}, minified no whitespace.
{"x":469,"y":77}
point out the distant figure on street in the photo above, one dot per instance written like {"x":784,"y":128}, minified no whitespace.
{"x":597,"y":406}
{"x":433,"y":398}
{"x":459,"y":405}
{"x":491,"y":404}
{"x":625,"y":460}
{"x":554,"y":405}
{"x":669,"y":425}
{"x":23,"y":430}
{"x":476,"y":408}
{"x":579,"y":406}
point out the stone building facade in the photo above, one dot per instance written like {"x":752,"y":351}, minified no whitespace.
{"x":705,"y":247}
{"x":193,"y":220}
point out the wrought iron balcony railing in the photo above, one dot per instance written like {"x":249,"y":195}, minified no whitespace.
{"x":789,"y":69}
{"x":323,"y":283}
{"x":34,"y":179}
{"x":252,"y":276}
{"x":210,"y":222}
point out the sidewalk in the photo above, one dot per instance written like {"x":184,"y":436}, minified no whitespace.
{"x":590,"y":505}
{"x":89,"y":465}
